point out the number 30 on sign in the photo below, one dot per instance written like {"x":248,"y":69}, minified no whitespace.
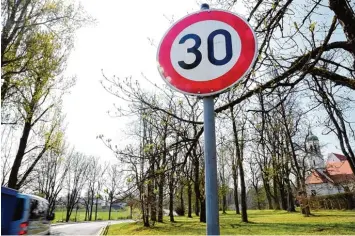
{"x":206,"y":52}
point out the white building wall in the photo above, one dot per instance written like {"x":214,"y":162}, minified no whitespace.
{"x":332,"y":158}
{"x":323,"y":189}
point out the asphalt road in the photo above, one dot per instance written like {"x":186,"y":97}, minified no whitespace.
{"x":87,"y":228}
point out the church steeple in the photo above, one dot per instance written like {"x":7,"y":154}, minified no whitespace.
{"x":315,"y":159}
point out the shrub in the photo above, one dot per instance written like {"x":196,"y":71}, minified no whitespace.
{"x":339,"y":201}
{"x":180,"y":211}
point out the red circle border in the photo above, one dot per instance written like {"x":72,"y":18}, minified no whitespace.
{"x":217,"y":85}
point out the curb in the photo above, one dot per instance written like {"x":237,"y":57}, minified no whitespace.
{"x":103,"y":230}
{"x":70,"y":223}
{"x":80,"y":222}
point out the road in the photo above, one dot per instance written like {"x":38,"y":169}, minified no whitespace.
{"x":89,"y":228}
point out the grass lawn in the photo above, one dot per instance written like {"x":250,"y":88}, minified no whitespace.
{"x":101,"y":215}
{"x":261,"y":222}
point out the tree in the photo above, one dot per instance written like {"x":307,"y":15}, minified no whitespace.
{"x":293,"y":60}
{"x":51,"y":170}
{"x":36,"y":100}
{"x":255,"y":179}
{"x":36,"y":39}
{"x":333,"y":102}
{"x":159,"y":136}
{"x":223,"y":175}
{"x":95,"y":174}
{"x":113,"y":185}
{"x":7,"y":143}
{"x":19,"y":49}
{"x":78,"y":167}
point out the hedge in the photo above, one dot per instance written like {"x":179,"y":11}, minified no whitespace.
{"x":340,"y":201}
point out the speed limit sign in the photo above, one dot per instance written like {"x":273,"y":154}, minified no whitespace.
{"x":206,"y":52}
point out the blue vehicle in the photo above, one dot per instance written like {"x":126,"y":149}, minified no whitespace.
{"x":29,"y":216}
{"x":8,"y":205}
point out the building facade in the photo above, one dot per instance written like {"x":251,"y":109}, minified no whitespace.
{"x":327,"y":177}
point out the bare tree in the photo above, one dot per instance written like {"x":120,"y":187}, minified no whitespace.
{"x":113,"y":185}
{"x":51,"y":172}
{"x":336,"y":106}
{"x":78,"y":167}
{"x":7,"y":142}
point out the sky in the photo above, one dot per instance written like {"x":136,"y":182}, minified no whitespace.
{"x":118,"y":45}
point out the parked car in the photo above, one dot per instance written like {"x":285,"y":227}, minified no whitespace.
{"x":30,"y":216}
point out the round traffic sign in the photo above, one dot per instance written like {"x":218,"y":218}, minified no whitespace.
{"x":206,"y":52}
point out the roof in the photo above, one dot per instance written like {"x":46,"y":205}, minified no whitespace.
{"x":337,"y":168}
{"x":341,"y":157}
{"x":8,"y":191}
{"x":340,"y":171}
{"x":33,"y":197}
{"x":317,"y":178}
{"x":336,"y":171}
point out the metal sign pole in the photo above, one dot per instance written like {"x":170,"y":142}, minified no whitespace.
{"x":212,"y":214}
{"x":212,"y":217}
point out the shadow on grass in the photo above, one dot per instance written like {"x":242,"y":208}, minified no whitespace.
{"x":321,"y":215}
{"x":253,"y":228}
{"x":292,"y":228}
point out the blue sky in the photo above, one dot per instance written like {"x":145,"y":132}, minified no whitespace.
{"x":118,"y":44}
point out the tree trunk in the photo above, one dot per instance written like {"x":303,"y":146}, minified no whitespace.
{"x":235,"y":183}
{"x":171,"y":200}
{"x":290,"y":202}
{"x":145,"y":207}
{"x":197,"y":204}
{"x":131,"y":211}
{"x":91,"y":206}
{"x":152,"y":196}
{"x":224,"y":203}
{"x":109,"y":210}
{"x":203,"y":211}
{"x":153,"y":208}
{"x":182,"y":205}
{"x":86,"y":211}
{"x":68,"y":208}
{"x":239,"y":154}
{"x":283,"y":196}
{"x":268,"y":192}
{"x":20,"y":154}
{"x":151,"y":200}
{"x":189,"y":200}
{"x":160,"y":199}
{"x":197,"y":185}
{"x":276,"y":195}
{"x":304,"y":202}
{"x":257,"y":197}
{"x":243,"y":194}
{"x":146,"y":220}
{"x":96,"y":208}
{"x":67,"y":217}
{"x":76,"y":213}
{"x":262,"y":164}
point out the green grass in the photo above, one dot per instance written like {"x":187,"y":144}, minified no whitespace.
{"x":261,"y":222}
{"x":101,"y":215}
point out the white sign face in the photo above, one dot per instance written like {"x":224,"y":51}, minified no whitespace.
{"x":205,"y":50}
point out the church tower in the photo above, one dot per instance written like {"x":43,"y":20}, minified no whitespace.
{"x":315,"y":159}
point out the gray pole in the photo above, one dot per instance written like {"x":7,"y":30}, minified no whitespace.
{"x":212,"y":217}
{"x":212,"y":214}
